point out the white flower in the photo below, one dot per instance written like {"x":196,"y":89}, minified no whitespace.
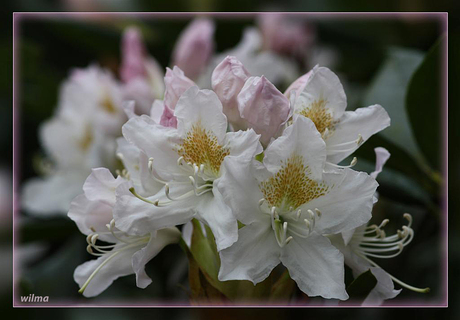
{"x":319,"y":95}
{"x":189,"y":162}
{"x":80,"y":136}
{"x":287,"y":205}
{"x":126,"y":254}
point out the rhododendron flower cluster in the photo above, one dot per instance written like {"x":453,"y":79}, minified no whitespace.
{"x":209,"y":154}
{"x":257,"y":169}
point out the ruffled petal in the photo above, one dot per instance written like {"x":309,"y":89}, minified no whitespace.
{"x":316,"y":266}
{"x":155,"y":245}
{"x":119,"y":265}
{"x":219,"y":217}
{"x":200,"y":107}
{"x":364,"y":121}
{"x":100,"y":186}
{"x":347,"y":204}
{"x":253,"y":256}
{"x":91,"y":215}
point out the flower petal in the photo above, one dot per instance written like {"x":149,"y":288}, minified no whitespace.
{"x":228,"y":79}
{"x":100,"y":186}
{"x":157,"y":142}
{"x":323,"y":84}
{"x":384,"y":289}
{"x":176,"y":83}
{"x":316,"y":266}
{"x":264,"y":108}
{"x":219,"y":217}
{"x":194,"y":47}
{"x":300,"y":138}
{"x":200,"y":106}
{"x":119,"y":265}
{"x":364,"y":121}
{"x":253,"y":256}
{"x":91,"y":215}
{"x":347,"y":204}
{"x":52,"y":194}
{"x":381,"y":157}
{"x":155,"y":245}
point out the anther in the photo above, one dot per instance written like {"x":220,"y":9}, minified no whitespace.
{"x":359,"y":140}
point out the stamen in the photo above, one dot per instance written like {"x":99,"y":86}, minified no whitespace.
{"x":349,"y":146}
{"x":153,"y":172}
{"x":352,"y":164}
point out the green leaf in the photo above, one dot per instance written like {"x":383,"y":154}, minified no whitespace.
{"x":424,"y":104}
{"x":360,"y":288}
{"x":388,"y":89}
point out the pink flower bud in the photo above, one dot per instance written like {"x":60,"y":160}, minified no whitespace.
{"x":168,"y":119}
{"x":176,"y":84}
{"x":285,"y":35}
{"x":264,"y":108}
{"x":228,"y":79}
{"x":298,"y":85}
{"x":194,"y":47}
{"x":133,"y":54}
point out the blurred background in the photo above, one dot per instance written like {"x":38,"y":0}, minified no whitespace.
{"x":376,"y":59}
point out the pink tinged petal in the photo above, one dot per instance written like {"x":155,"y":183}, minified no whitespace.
{"x":203,"y":107}
{"x":176,"y":83}
{"x":91,"y":215}
{"x":156,"y":111}
{"x":382,"y":155}
{"x":119,"y":265}
{"x":285,"y":35}
{"x":316,"y":266}
{"x":156,"y":243}
{"x":100,"y":186}
{"x":168,"y":119}
{"x":133,"y":54}
{"x":135,"y":216}
{"x":300,"y":138}
{"x":363,"y":121}
{"x":194,"y":47}
{"x":324,"y":85}
{"x":298,"y":85}
{"x":139,"y":90}
{"x":228,"y":79}
{"x":253,"y":256}
{"x":347,"y":204}
{"x":264,"y":108}
{"x":219,"y":217}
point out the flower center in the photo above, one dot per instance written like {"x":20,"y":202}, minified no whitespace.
{"x":321,"y":117}
{"x":108,"y":105}
{"x":87,"y":139}
{"x":284,"y":193}
{"x":291,"y":186}
{"x":201,"y":147}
